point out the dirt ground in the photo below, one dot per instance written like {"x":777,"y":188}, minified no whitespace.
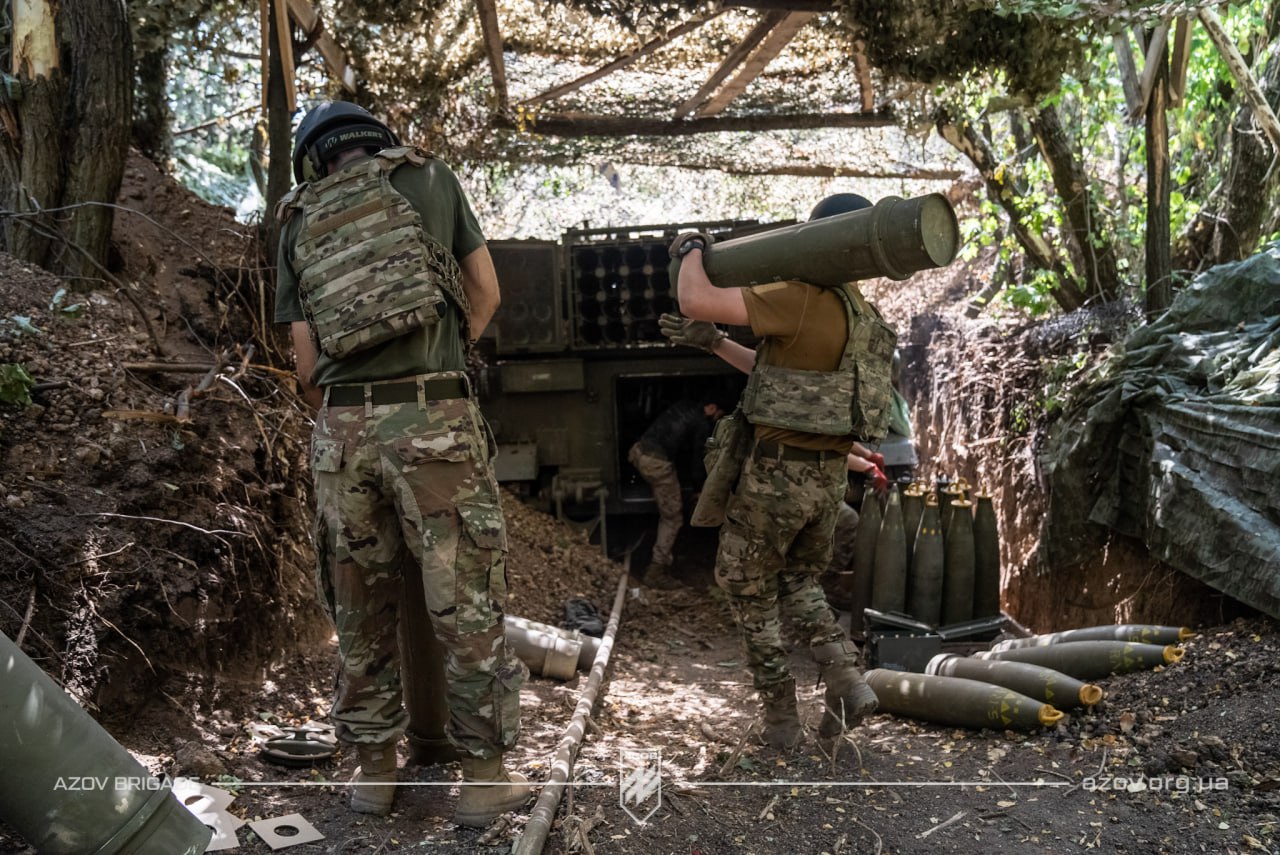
{"x":156,"y":562}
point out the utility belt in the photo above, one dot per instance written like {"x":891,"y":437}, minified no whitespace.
{"x":768,"y":449}
{"x":422,"y":388}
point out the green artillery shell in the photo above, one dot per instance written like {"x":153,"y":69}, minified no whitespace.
{"x":894,"y":238}
{"x":957,"y":584}
{"x":864,"y":553}
{"x":950,"y":495}
{"x":925,"y":580}
{"x":1034,"y":681}
{"x":889,"y":581}
{"x":1092,"y":660}
{"x":1144,"y":633}
{"x":958,"y":702}
{"x":986,"y":559}
{"x":912,"y":507}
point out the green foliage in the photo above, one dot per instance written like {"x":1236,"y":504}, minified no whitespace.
{"x":15,"y":384}
{"x":61,"y":308}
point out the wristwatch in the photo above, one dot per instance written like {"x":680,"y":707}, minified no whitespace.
{"x":690,"y":244}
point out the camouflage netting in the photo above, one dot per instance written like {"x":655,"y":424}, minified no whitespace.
{"x":1181,"y":447}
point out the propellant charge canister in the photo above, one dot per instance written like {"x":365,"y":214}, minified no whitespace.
{"x":894,"y":238}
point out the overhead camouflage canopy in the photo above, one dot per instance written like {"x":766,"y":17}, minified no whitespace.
{"x":1178,"y":444}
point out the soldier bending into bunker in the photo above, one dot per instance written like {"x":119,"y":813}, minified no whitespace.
{"x":677,"y":434}
{"x":806,"y":406}
{"x":385,"y":277}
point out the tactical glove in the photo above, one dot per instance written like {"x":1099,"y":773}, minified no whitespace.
{"x":682,"y":330}
{"x":687,"y":241}
{"x":877,"y":460}
{"x":877,"y":479}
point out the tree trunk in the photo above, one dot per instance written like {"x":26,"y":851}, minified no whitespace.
{"x":1159,"y":255}
{"x":1006,"y":188}
{"x":65,"y":141}
{"x":1235,"y":217}
{"x":153,"y":120}
{"x":1090,"y":245}
{"x":279,"y":132}
{"x":100,"y":113}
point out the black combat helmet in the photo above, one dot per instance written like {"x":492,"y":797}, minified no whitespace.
{"x":839,"y":203}
{"x":333,"y":127}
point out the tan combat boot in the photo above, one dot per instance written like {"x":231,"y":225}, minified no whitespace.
{"x":480,"y":805}
{"x":376,"y":779}
{"x":781,"y":719}
{"x":430,"y":751}
{"x":848,"y":697}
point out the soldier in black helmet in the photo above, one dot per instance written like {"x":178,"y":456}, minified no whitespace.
{"x":386,"y":281}
{"x":822,"y":350}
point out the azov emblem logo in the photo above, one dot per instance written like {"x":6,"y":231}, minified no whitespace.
{"x":640,"y":783}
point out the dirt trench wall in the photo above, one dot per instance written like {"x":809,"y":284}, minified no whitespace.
{"x":982,"y":393}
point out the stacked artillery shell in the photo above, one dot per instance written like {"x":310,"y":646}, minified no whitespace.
{"x":986,"y":559}
{"x":912,"y":508}
{"x":1034,"y":681}
{"x":954,"y":492}
{"x":925,"y":581}
{"x":958,"y":702}
{"x":1144,"y":633}
{"x":864,"y":553}
{"x":889,"y":581}
{"x":957,"y":584}
{"x":1091,"y":660}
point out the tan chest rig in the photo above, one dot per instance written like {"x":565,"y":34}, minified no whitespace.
{"x":367,"y":272}
{"x":854,"y":399}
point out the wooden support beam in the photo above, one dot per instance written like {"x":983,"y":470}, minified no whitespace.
{"x":1128,"y":75}
{"x":862,"y":66}
{"x":335,"y":58}
{"x":488,"y":10}
{"x":739,"y":53}
{"x":264,"y":47}
{"x":575,"y":125}
{"x":772,"y":45}
{"x":284,"y":36}
{"x":1179,"y":62}
{"x":624,"y":61}
{"x":1156,"y":58}
{"x":1240,"y":71}
{"x":784,"y":5}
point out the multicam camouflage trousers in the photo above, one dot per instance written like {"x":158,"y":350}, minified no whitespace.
{"x":409,"y":488}
{"x":660,"y":473}
{"x":774,"y":545}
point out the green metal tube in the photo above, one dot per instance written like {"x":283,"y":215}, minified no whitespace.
{"x":1034,"y":681}
{"x":924,"y":584}
{"x":68,"y":788}
{"x":889,"y":580}
{"x":1092,"y":660}
{"x":986,"y":558}
{"x":957,"y":702}
{"x":957,"y":583}
{"x":895,"y":238}
{"x":864,"y":554}
{"x":1144,"y":633}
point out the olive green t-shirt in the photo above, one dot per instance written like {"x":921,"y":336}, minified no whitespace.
{"x":808,"y":327}
{"x":434,"y":192}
